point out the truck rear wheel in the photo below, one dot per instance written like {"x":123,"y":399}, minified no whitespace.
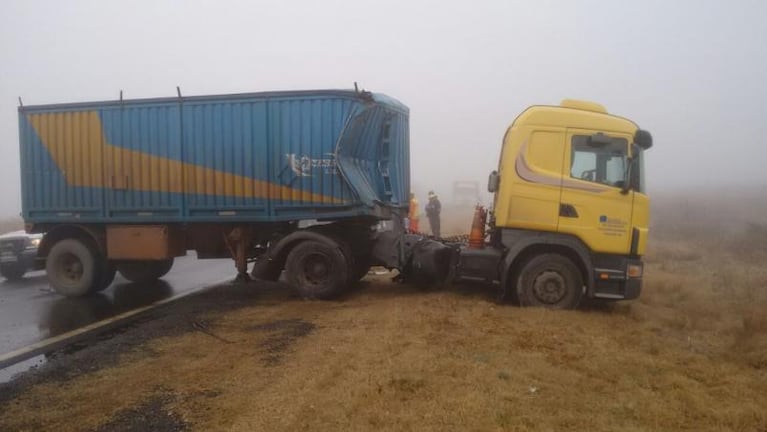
{"x":74,"y":268}
{"x":551,"y":281}
{"x":317,"y":270}
{"x":142,"y":271}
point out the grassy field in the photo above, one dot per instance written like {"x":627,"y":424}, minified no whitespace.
{"x":690,"y":354}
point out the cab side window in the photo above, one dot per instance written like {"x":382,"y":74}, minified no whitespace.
{"x":605,"y":164}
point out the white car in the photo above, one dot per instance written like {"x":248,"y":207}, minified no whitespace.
{"x":18,"y":254}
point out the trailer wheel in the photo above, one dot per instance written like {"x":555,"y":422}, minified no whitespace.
{"x":551,"y":281}
{"x":107,"y":278}
{"x":13,"y":272}
{"x":142,"y":271}
{"x":73,"y":268}
{"x":317,"y":270}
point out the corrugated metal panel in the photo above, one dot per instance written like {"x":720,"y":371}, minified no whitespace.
{"x":63,"y":178}
{"x":400,"y":160}
{"x":229,"y":138}
{"x":303,"y":134}
{"x":142,"y":168}
{"x":244,"y":157}
{"x":374,"y":155}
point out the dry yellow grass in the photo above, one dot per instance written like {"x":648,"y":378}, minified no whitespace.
{"x":690,"y":354}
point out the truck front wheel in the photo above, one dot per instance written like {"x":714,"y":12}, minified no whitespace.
{"x":551,"y":281}
{"x":74,"y":268}
{"x":143,"y":271}
{"x":317,"y":270}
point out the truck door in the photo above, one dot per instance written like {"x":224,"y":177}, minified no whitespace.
{"x":592,"y":205}
{"x":531,"y":182}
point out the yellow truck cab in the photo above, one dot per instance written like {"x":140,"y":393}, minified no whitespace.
{"x":570,"y":214}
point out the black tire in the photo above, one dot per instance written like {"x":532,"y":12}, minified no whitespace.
{"x":266,"y":269}
{"x":13,"y":272}
{"x":317,"y":270}
{"x":551,"y":281}
{"x":74,"y":268}
{"x":110,"y":270}
{"x":143,"y":271}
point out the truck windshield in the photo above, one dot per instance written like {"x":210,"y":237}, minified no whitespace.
{"x":605,"y":164}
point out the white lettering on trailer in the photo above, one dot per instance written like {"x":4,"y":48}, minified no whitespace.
{"x":304,"y":166}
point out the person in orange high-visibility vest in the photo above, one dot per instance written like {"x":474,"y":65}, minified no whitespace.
{"x":413,"y":215}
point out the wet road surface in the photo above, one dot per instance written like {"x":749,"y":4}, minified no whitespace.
{"x":30,"y":311}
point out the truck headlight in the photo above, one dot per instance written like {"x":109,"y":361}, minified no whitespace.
{"x":634,"y":271}
{"x":34,"y":243}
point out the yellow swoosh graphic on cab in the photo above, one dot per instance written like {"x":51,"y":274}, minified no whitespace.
{"x":526,"y":173}
{"x":78,"y":146}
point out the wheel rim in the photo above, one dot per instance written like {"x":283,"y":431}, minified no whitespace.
{"x":316,"y":269}
{"x":549,"y":287}
{"x":70,"y":268}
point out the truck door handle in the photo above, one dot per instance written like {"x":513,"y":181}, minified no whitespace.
{"x":568,"y":211}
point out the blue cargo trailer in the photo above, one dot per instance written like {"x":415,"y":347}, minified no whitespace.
{"x":260,"y":157}
{"x":129,"y":185}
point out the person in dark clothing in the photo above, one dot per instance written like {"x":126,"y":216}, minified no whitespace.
{"x":433,"y":209}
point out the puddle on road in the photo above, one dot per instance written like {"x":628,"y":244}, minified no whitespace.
{"x":67,"y":314}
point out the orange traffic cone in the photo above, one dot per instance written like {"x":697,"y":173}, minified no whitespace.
{"x":477,"y":235}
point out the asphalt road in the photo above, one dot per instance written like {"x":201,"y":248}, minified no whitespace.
{"x":30,"y":311}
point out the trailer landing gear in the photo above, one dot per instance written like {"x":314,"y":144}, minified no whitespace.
{"x":238,"y":241}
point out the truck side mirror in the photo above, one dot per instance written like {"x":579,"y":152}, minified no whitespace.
{"x":493,"y":181}
{"x":643,"y":139}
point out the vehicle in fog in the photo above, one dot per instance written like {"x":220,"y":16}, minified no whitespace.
{"x":466,"y":193}
{"x":18,"y":254}
{"x":129,"y":185}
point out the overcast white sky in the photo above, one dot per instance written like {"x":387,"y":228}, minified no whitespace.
{"x":694,"y":73}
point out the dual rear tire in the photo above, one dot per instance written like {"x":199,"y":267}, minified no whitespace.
{"x":76,"y":268}
{"x":318,"y":270}
{"x":143,"y":271}
{"x":321,"y":269}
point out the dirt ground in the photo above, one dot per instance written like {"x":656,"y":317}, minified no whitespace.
{"x":690,"y":354}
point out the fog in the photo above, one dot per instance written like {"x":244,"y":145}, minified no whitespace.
{"x":694,"y":73}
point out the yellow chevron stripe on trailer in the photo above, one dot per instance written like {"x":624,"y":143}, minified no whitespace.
{"x":78,"y":145}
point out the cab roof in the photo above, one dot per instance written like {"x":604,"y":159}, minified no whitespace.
{"x":575,"y":114}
